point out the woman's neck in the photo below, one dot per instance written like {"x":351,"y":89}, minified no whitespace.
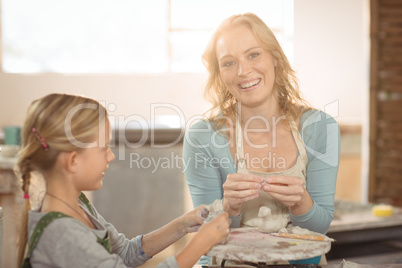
{"x":262,"y":116}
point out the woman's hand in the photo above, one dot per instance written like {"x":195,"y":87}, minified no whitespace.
{"x":215,"y":231}
{"x":194,"y":219}
{"x":290,"y":192}
{"x":239,"y":188}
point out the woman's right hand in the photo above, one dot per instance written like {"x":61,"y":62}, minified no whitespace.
{"x":238,"y":188}
{"x":215,"y":231}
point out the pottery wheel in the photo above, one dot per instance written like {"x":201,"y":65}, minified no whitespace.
{"x":249,"y":244}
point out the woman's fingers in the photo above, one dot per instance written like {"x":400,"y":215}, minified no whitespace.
{"x":284,"y":185}
{"x":239,"y":182}
{"x":238,"y":188}
{"x":245,"y":177}
{"x":288,"y":190}
{"x":241,"y":194}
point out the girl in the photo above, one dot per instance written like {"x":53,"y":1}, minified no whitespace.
{"x":66,"y":139}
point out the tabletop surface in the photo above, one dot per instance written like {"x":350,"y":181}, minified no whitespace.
{"x":350,"y":216}
{"x":249,"y":244}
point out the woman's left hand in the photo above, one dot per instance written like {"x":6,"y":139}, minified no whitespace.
{"x":289,"y":191}
{"x":194,"y":219}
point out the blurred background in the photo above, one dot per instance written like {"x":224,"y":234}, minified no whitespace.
{"x":142,"y":60}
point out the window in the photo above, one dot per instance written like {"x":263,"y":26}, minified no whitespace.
{"x":123,"y":36}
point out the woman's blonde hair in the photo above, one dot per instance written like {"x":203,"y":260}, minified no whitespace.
{"x":55,"y":123}
{"x":285,"y":85}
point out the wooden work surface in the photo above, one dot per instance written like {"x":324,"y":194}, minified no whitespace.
{"x":250,"y":245}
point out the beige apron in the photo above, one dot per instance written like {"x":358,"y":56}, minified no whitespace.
{"x":251,"y":209}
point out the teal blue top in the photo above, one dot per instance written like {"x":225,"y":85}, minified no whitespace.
{"x":208,"y":161}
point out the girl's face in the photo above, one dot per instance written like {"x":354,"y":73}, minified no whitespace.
{"x":246,"y":69}
{"x":93,"y":162}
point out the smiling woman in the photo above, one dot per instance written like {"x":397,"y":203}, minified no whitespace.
{"x":121,"y":36}
{"x":256,"y":99}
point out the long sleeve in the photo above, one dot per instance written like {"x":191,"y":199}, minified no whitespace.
{"x":203,"y":155}
{"x":321,"y":136}
{"x":131,"y":250}
{"x":207,"y":162}
{"x":66,"y":242}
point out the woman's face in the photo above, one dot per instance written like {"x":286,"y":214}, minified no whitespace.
{"x":246,"y":69}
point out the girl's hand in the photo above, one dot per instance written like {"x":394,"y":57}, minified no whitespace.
{"x":290,"y":192}
{"x":215,"y":231}
{"x":239,"y":188}
{"x":209,"y":234}
{"x":194,"y":219}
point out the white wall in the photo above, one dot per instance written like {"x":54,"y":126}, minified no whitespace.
{"x":131,"y":94}
{"x":331,"y":45}
{"x":331,"y":58}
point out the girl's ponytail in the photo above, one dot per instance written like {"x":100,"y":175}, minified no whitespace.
{"x":25,"y":170}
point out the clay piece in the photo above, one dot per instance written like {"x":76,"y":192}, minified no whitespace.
{"x":268,"y":223}
{"x":215,"y":209}
{"x":295,"y":230}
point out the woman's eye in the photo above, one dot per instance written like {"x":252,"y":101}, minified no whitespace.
{"x":227,"y":64}
{"x":254,"y":55}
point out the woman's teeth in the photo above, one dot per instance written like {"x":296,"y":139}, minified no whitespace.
{"x":250,"y":84}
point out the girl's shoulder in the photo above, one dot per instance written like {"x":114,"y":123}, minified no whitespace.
{"x":61,"y":240}
{"x":52,"y":221}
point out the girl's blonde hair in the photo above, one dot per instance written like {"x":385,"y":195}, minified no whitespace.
{"x":55,"y":123}
{"x":285,"y":85}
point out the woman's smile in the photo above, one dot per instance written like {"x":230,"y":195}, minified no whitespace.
{"x":246,"y":68}
{"x":250,"y":84}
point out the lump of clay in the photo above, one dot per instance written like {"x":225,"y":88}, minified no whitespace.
{"x":269,"y":223}
{"x":299,"y":230}
{"x":283,"y":230}
{"x":215,"y":209}
{"x":295,"y":230}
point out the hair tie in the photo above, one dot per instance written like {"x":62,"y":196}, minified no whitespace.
{"x":26,"y":196}
{"x":40,"y":139}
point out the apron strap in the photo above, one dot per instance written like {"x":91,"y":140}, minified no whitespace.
{"x":49,"y":218}
{"x":241,"y":162}
{"x":298,"y":139}
{"x":85,"y":200}
{"x":37,"y":233}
